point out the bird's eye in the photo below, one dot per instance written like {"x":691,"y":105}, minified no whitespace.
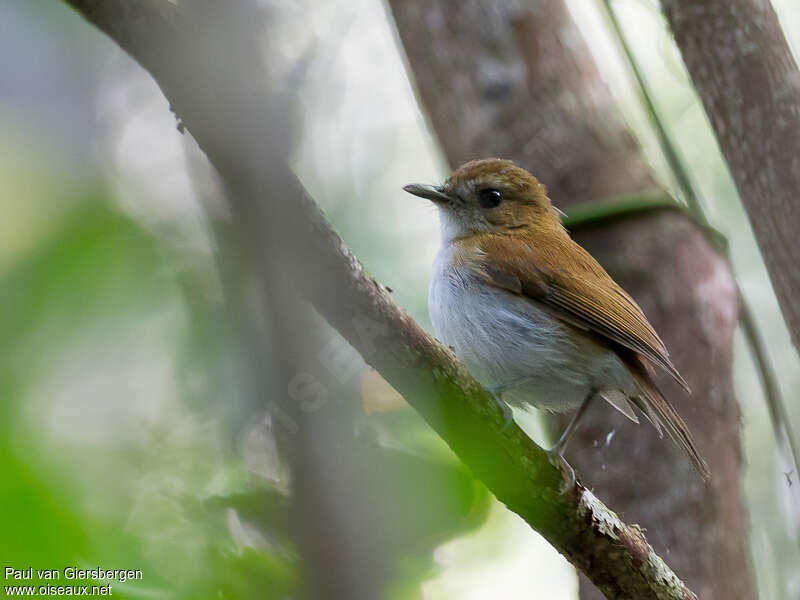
{"x":489,"y":198}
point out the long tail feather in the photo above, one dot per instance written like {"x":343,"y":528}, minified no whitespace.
{"x":663,"y":415}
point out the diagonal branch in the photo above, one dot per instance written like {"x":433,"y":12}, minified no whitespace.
{"x":204,"y":55}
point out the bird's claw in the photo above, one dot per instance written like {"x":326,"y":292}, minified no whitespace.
{"x":557,"y":459}
{"x":508,"y":414}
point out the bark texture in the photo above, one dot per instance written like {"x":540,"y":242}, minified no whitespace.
{"x":744,"y":72}
{"x":189,"y":49}
{"x":516,"y":80}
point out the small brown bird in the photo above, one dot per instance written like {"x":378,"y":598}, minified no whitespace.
{"x":533,"y":316}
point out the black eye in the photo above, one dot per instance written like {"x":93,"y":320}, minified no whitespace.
{"x":489,"y":198}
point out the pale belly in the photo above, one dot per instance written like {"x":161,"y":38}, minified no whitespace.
{"x":507,"y":340}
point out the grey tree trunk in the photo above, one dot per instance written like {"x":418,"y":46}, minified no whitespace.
{"x":744,"y":72}
{"x":516,"y":80}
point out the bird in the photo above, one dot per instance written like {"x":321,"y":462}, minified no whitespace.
{"x":533,"y":316}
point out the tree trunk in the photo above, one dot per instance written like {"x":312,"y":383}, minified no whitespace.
{"x":743,"y":70}
{"x":518,"y":82}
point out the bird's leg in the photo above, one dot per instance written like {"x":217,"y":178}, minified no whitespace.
{"x":561,"y":445}
{"x":497,"y":392}
{"x":556,"y":453}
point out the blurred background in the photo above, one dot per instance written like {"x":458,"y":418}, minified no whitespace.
{"x":128,"y":435}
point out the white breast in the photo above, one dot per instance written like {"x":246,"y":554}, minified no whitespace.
{"x":504,"y":338}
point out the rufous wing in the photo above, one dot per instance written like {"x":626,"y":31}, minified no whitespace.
{"x":564,"y":277}
{"x":555,"y":271}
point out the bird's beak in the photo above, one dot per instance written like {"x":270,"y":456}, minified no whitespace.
{"x":431,"y":192}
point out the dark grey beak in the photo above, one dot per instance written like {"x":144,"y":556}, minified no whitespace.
{"x":429,"y":192}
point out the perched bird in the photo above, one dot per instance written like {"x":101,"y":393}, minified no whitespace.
{"x":533,"y":316}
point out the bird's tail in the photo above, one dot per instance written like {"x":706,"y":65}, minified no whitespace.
{"x":664,"y":417}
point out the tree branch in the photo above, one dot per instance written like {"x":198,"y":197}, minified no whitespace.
{"x":204,"y":55}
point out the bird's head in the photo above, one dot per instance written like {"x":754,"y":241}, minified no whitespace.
{"x":491,"y":195}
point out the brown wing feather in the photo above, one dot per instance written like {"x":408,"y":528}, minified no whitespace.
{"x":578,"y":291}
{"x":583,"y":294}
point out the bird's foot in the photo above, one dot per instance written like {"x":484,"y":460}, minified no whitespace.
{"x":496,"y":392}
{"x":556,"y":458}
